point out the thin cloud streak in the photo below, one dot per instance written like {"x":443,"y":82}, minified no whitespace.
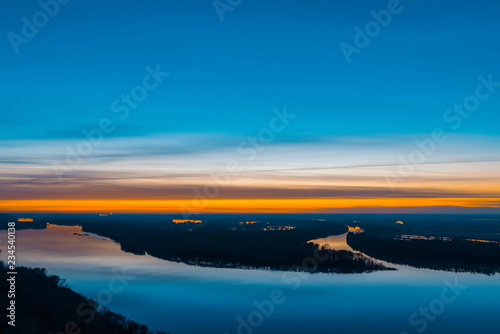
{"x":368,"y":166}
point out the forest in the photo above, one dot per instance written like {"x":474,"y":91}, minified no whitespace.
{"x":43,"y":304}
{"x":222,"y":247}
{"x":458,"y":254}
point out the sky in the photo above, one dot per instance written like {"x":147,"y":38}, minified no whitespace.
{"x":250,"y":106}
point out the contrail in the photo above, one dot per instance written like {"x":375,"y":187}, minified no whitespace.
{"x":366,"y":166}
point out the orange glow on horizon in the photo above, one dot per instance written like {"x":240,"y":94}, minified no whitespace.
{"x":234,"y":205}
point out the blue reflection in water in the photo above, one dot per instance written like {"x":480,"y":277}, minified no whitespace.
{"x":178,"y":298}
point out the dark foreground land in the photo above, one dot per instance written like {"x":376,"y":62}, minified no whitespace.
{"x":45,"y":305}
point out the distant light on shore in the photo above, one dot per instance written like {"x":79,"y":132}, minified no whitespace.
{"x":183,"y":221}
{"x":355,"y":229}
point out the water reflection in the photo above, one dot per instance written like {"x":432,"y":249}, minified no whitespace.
{"x":338,"y":242}
{"x":428,"y":238}
{"x":183,"y":299}
{"x":335,"y":242}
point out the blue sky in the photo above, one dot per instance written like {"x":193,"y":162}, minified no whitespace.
{"x":227,"y":76}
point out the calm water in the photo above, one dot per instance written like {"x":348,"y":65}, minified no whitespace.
{"x":184,"y":299}
{"x":337,"y":242}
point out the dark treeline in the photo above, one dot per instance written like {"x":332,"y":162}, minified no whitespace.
{"x":219,"y":246}
{"x":457,"y":254}
{"x":45,"y":305}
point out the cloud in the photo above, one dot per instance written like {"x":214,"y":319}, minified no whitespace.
{"x":173,"y":166}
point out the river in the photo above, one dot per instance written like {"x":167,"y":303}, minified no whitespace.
{"x":183,"y":299}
